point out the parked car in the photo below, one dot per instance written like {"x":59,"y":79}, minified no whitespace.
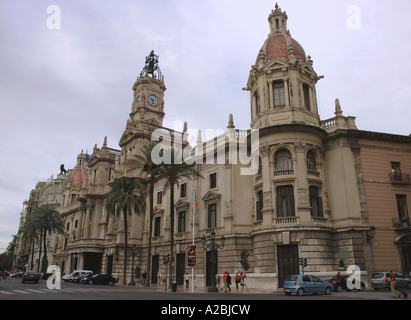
{"x":45,"y":276}
{"x":69,"y":277}
{"x":305,"y":283}
{"x":78,"y":278}
{"x":341,"y":284}
{"x":103,"y":279}
{"x":31,"y":276}
{"x":381,"y":280}
{"x":86,"y":278}
{"x":17,"y":275}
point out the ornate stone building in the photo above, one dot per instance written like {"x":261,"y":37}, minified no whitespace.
{"x":314,"y":195}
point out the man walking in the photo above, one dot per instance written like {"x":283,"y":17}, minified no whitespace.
{"x":393,"y":282}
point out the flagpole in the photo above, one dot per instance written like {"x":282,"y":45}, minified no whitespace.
{"x":192,"y":267}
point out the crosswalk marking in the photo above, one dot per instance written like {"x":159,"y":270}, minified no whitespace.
{"x":20,"y":291}
{"x":35,"y":291}
{"x":42,"y":291}
{"x":6,"y":292}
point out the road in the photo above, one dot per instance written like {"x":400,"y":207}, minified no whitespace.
{"x":13,"y":289}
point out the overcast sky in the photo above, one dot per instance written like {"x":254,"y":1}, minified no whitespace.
{"x":63,"y":90}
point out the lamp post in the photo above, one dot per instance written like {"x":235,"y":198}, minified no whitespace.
{"x":213,"y":246}
{"x":133,"y":255}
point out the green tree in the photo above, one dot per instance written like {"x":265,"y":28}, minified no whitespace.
{"x":47,"y":220}
{"x":126,"y":196}
{"x":173,"y":172}
{"x":29,"y":235}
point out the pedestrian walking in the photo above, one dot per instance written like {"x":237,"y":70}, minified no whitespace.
{"x":217,"y":280}
{"x":244,"y":283}
{"x":224,"y":282}
{"x":187,"y":279}
{"x":144,"y":277}
{"x":393,"y":282}
{"x":228,"y":282}
{"x":237,"y":280}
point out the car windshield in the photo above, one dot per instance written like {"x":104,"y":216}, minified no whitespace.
{"x":377,"y":275}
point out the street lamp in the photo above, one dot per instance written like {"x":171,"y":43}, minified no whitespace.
{"x":213,"y":246}
{"x":133,"y":255}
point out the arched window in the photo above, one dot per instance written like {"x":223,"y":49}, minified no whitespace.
{"x":283,"y":160}
{"x":311,"y":166}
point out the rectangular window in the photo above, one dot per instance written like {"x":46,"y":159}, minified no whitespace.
{"x":396,"y":171}
{"x":213,"y":180}
{"x":285,"y":202}
{"x":306,"y":92}
{"x":316,"y":203}
{"x":157,"y":222}
{"x":159,"y":197}
{"x":279,"y":96}
{"x":183,"y":190}
{"x":402,"y":207}
{"x":212,"y":216}
{"x":259,"y":205}
{"x":182,"y":221}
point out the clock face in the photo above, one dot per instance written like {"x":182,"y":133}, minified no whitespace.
{"x":152,"y":100}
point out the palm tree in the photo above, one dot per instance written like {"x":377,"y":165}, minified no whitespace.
{"x":173,"y":173}
{"x":125,"y":195}
{"x":152,"y":170}
{"x":47,"y":219}
{"x":29,"y":234}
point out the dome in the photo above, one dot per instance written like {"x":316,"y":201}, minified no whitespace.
{"x":279,"y":44}
{"x":79,"y":177}
{"x":276,"y":48}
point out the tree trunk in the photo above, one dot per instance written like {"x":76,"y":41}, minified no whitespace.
{"x":44,"y":261}
{"x":125,"y":244}
{"x":41,"y":240}
{"x":150,"y":232}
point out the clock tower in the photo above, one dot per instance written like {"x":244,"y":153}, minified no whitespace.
{"x":148,"y":102}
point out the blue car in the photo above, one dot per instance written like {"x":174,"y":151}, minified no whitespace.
{"x":305,"y":283}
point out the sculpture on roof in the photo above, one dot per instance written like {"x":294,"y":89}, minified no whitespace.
{"x":151,"y":65}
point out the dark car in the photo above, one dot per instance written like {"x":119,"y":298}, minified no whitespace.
{"x":340,"y":284}
{"x":31,"y":276}
{"x":45,"y":276}
{"x":77,"y":279}
{"x":103,"y":279}
{"x":86,"y":278}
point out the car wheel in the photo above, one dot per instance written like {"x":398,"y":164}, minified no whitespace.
{"x":339,"y":288}
{"x":300,"y":292}
{"x":328,"y":290}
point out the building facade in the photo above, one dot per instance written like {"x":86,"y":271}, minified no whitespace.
{"x":324,"y":190}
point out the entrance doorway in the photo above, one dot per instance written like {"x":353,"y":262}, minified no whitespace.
{"x":181,"y":268}
{"x":287,"y":259}
{"x":155,"y":264}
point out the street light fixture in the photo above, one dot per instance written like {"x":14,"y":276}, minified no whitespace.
{"x":213,"y":246}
